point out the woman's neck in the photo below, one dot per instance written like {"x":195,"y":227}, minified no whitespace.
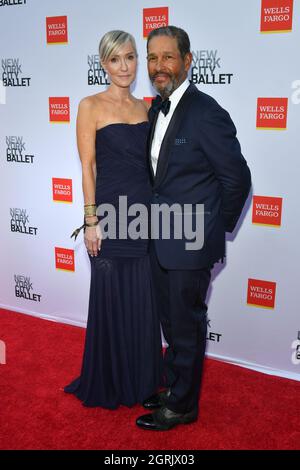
{"x":119,"y":94}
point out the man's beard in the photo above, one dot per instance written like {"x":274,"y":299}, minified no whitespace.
{"x":166,"y":91}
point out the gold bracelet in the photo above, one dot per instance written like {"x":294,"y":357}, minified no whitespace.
{"x":90,"y":209}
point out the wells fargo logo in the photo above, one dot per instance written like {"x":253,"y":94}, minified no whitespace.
{"x":261,"y":293}
{"x":267,"y":210}
{"x":154,"y":18}
{"x":62,"y":190}
{"x":271,"y":113}
{"x":59,"y":109}
{"x":64,"y":259}
{"x":57,"y":30}
{"x":276,"y":16}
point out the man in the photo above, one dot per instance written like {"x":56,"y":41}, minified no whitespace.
{"x":195,"y":158}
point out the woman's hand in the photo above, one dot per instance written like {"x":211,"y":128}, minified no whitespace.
{"x":93,"y":238}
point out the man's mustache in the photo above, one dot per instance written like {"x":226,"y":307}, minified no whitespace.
{"x":153,"y":77}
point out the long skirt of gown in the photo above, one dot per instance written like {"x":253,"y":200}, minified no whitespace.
{"x":122,"y":355}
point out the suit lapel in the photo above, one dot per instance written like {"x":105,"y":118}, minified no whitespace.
{"x":149,"y":144}
{"x":171,"y":132}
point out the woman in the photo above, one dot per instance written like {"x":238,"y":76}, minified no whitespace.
{"x":122,"y":355}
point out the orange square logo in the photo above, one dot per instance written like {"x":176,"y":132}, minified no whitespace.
{"x":57,"y":29}
{"x":271,"y":113}
{"x":62,"y":190}
{"x":261,"y":293}
{"x":64,"y":259}
{"x":267,"y":210}
{"x":59,"y":109}
{"x":276,"y":16}
{"x":154,"y":18}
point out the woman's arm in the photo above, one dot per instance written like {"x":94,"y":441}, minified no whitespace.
{"x":86,"y":131}
{"x":86,"y":134}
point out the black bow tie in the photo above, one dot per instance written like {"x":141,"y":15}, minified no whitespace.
{"x":159,"y":105}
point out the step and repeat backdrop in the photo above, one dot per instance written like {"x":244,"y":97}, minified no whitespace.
{"x":246,"y":55}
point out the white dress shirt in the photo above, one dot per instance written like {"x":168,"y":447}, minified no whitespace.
{"x":163,"y":122}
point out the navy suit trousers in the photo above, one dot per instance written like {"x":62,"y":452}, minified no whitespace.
{"x":180,"y":300}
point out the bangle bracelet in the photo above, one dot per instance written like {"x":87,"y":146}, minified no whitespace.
{"x":90,"y":210}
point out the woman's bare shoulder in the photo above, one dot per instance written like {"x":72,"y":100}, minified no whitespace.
{"x":94,"y":107}
{"x":92,"y":100}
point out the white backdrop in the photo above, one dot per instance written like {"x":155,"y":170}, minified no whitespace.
{"x":248,"y":65}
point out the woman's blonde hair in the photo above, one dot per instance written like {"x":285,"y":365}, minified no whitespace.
{"x":111,"y":41}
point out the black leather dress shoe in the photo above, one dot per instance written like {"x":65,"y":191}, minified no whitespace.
{"x":157,"y":400}
{"x":165,"y":419}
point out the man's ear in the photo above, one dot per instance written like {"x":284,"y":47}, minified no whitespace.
{"x":187,"y":61}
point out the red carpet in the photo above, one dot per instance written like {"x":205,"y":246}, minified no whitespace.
{"x":241,"y":409}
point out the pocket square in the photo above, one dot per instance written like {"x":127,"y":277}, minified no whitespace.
{"x":181,"y":141}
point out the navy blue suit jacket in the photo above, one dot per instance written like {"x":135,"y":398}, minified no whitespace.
{"x":200,"y":162}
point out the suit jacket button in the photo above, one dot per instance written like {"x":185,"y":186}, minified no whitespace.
{"x":156,"y":194}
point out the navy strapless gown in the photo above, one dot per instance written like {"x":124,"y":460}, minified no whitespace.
{"x":122,"y":354}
